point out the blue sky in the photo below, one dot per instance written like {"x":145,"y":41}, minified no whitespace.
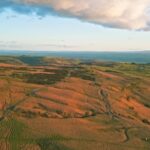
{"x":21,"y":31}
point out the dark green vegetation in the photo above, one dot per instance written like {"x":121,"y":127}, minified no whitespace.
{"x":40,"y":78}
{"x":53,"y":142}
{"x":83,"y":74}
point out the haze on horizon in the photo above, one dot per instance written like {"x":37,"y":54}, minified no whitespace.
{"x":98,"y":25}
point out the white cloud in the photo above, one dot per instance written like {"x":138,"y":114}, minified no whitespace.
{"x":128,"y":14}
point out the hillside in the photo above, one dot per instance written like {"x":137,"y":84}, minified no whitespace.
{"x":66,"y":104}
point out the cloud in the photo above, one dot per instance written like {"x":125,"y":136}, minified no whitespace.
{"x":55,"y":45}
{"x":127,"y":14}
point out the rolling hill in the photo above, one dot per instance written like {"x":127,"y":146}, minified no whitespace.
{"x":67,"y":104}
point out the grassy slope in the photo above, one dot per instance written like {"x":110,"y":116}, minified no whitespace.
{"x":97,"y":132}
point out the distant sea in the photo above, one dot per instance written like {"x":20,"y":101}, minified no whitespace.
{"x":128,"y":56}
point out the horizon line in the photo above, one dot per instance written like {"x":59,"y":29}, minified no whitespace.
{"x":21,"y":50}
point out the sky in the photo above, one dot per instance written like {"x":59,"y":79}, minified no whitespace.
{"x":78,"y":25}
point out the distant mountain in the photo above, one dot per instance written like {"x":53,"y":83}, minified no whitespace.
{"x":125,"y":56}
